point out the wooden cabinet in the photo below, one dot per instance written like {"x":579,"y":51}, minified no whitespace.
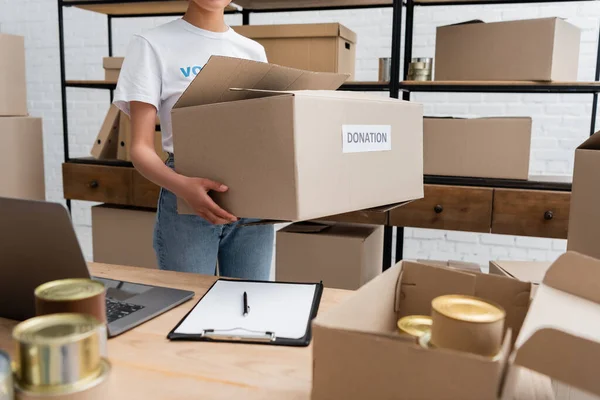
{"x":531,"y":213}
{"x":448,"y":207}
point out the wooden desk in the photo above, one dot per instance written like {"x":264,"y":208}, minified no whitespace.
{"x":147,"y":366}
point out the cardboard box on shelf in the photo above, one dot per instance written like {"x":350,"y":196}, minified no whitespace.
{"x":584,"y":214}
{"x":544,"y":49}
{"x":460,"y":265}
{"x":112,"y":68}
{"x":356,"y":341}
{"x":13,"y":86}
{"x":313,"y":47}
{"x":342,"y":256}
{"x":22,"y":162}
{"x":296,"y":150}
{"x":123,"y":236}
{"x":481,"y":147}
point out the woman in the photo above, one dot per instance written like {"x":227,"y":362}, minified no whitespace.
{"x":158,"y":67}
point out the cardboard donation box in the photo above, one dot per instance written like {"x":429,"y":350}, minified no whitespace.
{"x":527,"y":50}
{"x":289,"y":147}
{"x":481,"y":147}
{"x":313,"y":47}
{"x":584,"y":214}
{"x":112,"y":68}
{"x":343,"y":256}
{"x":123,"y":236}
{"x":22,"y":163}
{"x":13,"y":87}
{"x":357,"y":352}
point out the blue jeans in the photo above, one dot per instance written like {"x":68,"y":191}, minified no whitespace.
{"x":188,"y":243}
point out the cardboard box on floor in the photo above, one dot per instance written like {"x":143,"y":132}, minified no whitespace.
{"x":112,"y":68}
{"x":22,"y":162}
{"x":357,"y":352}
{"x":123,"y":236}
{"x":313,"y":47}
{"x":481,"y":147}
{"x":13,"y":87}
{"x":296,"y":149}
{"x":544,"y":49}
{"x":584,"y":214}
{"x":342,"y":256}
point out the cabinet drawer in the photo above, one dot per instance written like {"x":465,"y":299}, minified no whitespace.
{"x":144,"y":192}
{"x":531,"y":213}
{"x":97,"y":183}
{"x":448,"y":207}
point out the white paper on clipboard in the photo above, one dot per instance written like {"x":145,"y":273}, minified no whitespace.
{"x":281,"y":308}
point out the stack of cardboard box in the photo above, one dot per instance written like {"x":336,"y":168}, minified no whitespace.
{"x":22,"y":162}
{"x":540,"y":50}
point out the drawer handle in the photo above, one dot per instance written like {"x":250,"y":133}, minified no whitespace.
{"x":438,"y":209}
{"x":548,"y":215}
{"x":93,"y":184}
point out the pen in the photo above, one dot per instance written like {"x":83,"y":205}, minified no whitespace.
{"x":246,"y":306}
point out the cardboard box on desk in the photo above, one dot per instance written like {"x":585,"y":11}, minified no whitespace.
{"x":313,"y":47}
{"x":343,"y":256}
{"x":527,"y":50}
{"x":481,"y":147}
{"x":357,"y":354}
{"x":112,"y":68}
{"x":13,"y":87}
{"x":22,"y":162}
{"x":290,"y":148}
{"x":584,"y":214}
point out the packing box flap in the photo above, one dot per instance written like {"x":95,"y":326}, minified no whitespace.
{"x":561,"y":333}
{"x":356,"y":231}
{"x":220,"y":74}
{"x":296,"y":31}
{"x":330,"y":94}
{"x":593,"y":143}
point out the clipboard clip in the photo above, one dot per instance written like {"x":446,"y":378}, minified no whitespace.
{"x":229,"y":335}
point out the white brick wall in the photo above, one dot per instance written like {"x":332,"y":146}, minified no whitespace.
{"x":561,"y":122}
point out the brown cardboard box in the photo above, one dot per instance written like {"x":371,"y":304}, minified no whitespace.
{"x":112,"y":68}
{"x":22,"y":162}
{"x":343,"y":256}
{"x":481,"y":147}
{"x":584,"y":214}
{"x":312,"y":47}
{"x":526,"y":271}
{"x":357,"y":353}
{"x":13,"y":87}
{"x":295,"y":150}
{"x":460,"y":265}
{"x":527,"y":50}
{"x":123,"y":236}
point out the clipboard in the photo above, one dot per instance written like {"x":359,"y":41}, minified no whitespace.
{"x":280,"y":313}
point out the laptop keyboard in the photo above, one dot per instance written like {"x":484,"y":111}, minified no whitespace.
{"x":116,"y":309}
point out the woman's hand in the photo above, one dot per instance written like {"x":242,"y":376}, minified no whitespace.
{"x":195,"y":193}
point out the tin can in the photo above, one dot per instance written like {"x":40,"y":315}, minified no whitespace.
{"x":415,"y":325}
{"x":85,"y":296}
{"x":385,"y":69}
{"x":467,"y":323}
{"x":59,"y":354}
{"x":6,"y":382}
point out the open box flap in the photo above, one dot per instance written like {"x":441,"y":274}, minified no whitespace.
{"x":593,"y":143}
{"x":213,"y":82}
{"x":307,"y":227}
{"x":561,"y":333}
{"x":258,"y":93}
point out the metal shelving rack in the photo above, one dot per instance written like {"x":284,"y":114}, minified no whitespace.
{"x":488,"y":87}
{"x":152,"y":8}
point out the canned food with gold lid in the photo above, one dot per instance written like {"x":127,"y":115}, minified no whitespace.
{"x":85,"y":296}
{"x":415,"y":325}
{"x":59,"y":353}
{"x":6,"y":383}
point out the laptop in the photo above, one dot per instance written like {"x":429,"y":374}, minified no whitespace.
{"x":38,"y":244}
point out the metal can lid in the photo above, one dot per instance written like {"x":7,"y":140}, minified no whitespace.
{"x":69,"y":289}
{"x":415,"y":325}
{"x":56,"y":329}
{"x":468,"y":308}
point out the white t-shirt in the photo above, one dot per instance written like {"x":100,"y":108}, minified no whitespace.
{"x":162,"y":62}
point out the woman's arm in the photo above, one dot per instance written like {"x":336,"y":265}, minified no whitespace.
{"x":143,"y":155}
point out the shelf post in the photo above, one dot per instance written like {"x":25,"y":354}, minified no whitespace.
{"x":63,"y":87}
{"x":245,"y":17}
{"x":595,"y":98}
